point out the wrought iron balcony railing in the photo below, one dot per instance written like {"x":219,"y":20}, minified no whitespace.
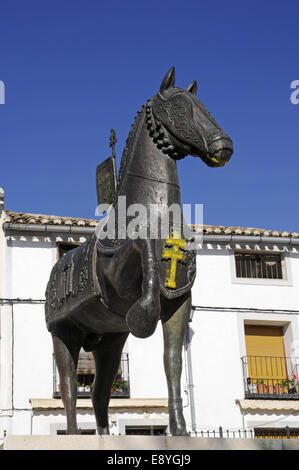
{"x":120,"y":386}
{"x":271,"y":377}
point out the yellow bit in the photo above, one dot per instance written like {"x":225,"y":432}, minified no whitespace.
{"x":217,"y":161}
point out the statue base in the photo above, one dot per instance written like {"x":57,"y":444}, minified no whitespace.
{"x":142,"y":443}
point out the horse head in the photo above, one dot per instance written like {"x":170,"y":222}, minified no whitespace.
{"x":180,"y":125}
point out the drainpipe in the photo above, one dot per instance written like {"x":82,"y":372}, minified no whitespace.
{"x":190,"y":375}
{"x":48,"y":228}
{"x":31,"y":422}
{"x":1,"y":201}
{"x":249,"y":239}
{"x":6,"y":411}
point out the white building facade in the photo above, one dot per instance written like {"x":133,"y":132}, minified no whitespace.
{"x":241,"y":351}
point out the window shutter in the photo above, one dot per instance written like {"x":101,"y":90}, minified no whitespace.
{"x":264,"y":341}
{"x":85,"y":363}
{"x":265,"y":352}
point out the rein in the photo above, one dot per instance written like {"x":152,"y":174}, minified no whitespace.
{"x":159,"y":134}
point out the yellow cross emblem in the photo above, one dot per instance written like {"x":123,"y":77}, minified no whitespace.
{"x":174,"y":254}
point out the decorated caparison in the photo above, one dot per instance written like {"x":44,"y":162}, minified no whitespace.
{"x":123,"y":283}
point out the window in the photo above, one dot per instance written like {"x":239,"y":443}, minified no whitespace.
{"x":276,"y":433}
{"x":266,"y":361}
{"x":63,"y":248}
{"x":146,"y":430}
{"x":258,"y":265}
{"x":267,"y":371}
{"x":62,"y":432}
{"x":264,"y":340}
{"x":86,"y":373}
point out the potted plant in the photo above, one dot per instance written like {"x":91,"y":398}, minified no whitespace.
{"x":252,"y":387}
{"x":288,"y":384}
{"x":115,"y":386}
{"x":278,"y":389}
{"x":261,"y":387}
{"x":271,"y":389}
{"x":81,"y":388}
{"x":120,"y":385}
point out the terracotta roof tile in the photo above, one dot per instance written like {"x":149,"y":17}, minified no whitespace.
{"x":41,"y":219}
{"x":246,"y":231}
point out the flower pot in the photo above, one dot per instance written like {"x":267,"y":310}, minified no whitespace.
{"x":252,"y":388}
{"x":278,"y":389}
{"x":271,"y":389}
{"x":261,"y":388}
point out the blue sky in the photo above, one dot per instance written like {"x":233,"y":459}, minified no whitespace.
{"x":74,"y":69}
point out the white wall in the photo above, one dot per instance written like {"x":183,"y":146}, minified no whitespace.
{"x":32,"y":360}
{"x":219,"y":341}
{"x":26,"y":365}
{"x":147,"y":378}
{"x":217,"y":369}
{"x":217,"y":345}
{"x":215,"y":286}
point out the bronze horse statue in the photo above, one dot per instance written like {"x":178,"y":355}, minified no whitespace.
{"x":111,"y":286}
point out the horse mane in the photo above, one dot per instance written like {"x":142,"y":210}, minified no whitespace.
{"x":126,"y":153}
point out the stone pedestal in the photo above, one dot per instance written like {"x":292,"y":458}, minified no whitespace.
{"x":118,"y":444}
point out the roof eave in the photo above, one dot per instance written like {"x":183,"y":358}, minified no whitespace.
{"x":219,"y":238}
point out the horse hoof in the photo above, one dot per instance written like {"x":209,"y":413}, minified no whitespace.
{"x":102,"y":431}
{"x":177,"y":422}
{"x":142,"y":320}
{"x":178,"y":429}
{"x":180,"y":432}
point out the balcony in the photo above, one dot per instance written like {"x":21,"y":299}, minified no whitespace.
{"x":271,"y":377}
{"x":120,"y":386}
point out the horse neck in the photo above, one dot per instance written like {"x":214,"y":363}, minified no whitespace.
{"x":148,"y":176}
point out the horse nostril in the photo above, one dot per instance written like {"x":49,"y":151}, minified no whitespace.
{"x":226,"y":154}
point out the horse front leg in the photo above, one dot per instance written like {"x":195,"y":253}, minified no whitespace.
{"x":132,"y":275}
{"x":174,"y":330}
{"x":143,"y":316}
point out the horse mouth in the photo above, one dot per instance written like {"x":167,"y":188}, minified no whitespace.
{"x":217,"y":159}
{"x":221,"y":157}
{"x":217,"y":162}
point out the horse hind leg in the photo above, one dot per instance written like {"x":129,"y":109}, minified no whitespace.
{"x":66,"y":355}
{"x":107,"y":356}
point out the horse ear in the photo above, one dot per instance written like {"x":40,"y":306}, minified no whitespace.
{"x":192,"y":88}
{"x":168,"y":80}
